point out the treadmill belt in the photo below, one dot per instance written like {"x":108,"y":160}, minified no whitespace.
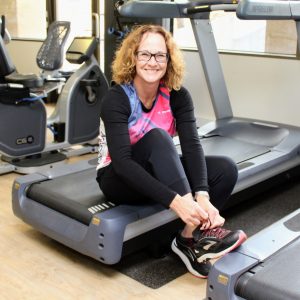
{"x":277,"y":278}
{"x":76,"y":195}
{"x":239,"y":151}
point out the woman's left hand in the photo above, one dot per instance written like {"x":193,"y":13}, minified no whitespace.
{"x":215,"y":220}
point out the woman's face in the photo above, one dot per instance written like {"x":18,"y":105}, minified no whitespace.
{"x":153,"y":70}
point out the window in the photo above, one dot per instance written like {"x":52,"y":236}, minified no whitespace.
{"x":79,"y":13}
{"x":233,"y":34}
{"x":20,"y":21}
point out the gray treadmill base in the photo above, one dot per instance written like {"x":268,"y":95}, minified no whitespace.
{"x":87,"y":229}
{"x":266,"y":266}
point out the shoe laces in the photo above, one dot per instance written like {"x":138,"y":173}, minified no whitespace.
{"x":218,"y":232}
{"x":206,"y":261}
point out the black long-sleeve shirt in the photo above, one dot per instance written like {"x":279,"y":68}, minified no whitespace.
{"x":115,"y":112}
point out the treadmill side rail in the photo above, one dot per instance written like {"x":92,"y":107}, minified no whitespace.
{"x":224,"y":274}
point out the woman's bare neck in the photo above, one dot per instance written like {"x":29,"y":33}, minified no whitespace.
{"x":146,"y":92}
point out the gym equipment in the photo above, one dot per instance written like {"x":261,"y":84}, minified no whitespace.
{"x":6,"y":66}
{"x":260,"y":149}
{"x":49,"y":59}
{"x":75,"y":120}
{"x":266,"y":266}
{"x":67,"y":205}
{"x":28,"y":136}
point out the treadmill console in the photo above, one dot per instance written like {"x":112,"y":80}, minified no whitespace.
{"x":270,"y":10}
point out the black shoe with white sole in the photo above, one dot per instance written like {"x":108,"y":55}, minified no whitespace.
{"x":214,"y":243}
{"x":206,"y":244}
{"x":185,"y":249}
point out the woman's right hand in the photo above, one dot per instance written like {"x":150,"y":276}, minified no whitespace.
{"x":188,"y":210}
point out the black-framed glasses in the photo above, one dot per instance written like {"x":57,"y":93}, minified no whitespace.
{"x":159,"y":57}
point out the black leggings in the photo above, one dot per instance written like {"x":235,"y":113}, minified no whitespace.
{"x":157,"y":154}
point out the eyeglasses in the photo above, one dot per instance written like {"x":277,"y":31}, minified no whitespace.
{"x":146,"y":56}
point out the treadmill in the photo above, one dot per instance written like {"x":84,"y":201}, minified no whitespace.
{"x":67,"y":205}
{"x":267,"y":265}
{"x":261,"y":149}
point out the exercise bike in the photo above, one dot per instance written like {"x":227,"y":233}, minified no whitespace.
{"x":75,"y":120}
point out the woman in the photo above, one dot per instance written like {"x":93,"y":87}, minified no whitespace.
{"x":138,"y":161}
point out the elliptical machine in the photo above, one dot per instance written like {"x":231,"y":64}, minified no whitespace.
{"x":75,"y":120}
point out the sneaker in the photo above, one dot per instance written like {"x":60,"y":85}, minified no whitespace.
{"x":185,"y":249}
{"x":214,"y":243}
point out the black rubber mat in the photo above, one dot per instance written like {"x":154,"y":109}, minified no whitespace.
{"x":152,"y":272}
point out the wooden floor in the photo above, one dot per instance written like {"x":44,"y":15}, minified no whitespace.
{"x":32,"y":266}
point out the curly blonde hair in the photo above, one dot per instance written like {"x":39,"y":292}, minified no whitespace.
{"x":123,"y":66}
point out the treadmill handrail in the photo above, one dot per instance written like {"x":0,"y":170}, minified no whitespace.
{"x":208,"y":8}
{"x":268,"y":10}
{"x":159,"y":9}
{"x":176,"y":9}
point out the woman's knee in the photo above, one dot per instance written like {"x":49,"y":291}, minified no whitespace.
{"x":158,"y":135}
{"x":156,"y":139}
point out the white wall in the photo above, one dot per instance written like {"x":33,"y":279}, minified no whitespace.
{"x":23,"y":55}
{"x":259,"y":87}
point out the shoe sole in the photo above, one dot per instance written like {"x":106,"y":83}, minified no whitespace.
{"x":242,"y":238}
{"x":186,"y":261}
